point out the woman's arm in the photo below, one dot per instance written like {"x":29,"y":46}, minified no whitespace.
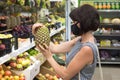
{"x":82,"y":58}
{"x":63,"y":47}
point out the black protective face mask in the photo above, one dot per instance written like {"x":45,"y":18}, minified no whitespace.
{"x":75,"y":29}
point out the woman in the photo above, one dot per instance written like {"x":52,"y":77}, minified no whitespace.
{"x":82,"y":53}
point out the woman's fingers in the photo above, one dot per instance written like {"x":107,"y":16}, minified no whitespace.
{"x":41,"y":47}
{"x":45,"y":46}
{"x":35,"y":27}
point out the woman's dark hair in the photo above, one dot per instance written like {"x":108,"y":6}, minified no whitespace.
{"x":87,"y":16}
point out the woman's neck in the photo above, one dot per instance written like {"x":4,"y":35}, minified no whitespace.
{"x":87,"y":37}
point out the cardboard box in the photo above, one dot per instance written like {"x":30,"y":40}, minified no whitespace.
{"x":44,"y":70}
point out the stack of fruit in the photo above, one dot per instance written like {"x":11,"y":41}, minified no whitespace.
{"x":6,"y":74}
{"x":46,"y":77}
{"x":32,"y":52}
{"x":22,"y":31}
{"x":20,"y":62}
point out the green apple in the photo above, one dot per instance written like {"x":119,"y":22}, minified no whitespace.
{"x":28,"y":61}
{"x":20,"y":55}
{"x":14,"y":58}
{"x":19,"y":66}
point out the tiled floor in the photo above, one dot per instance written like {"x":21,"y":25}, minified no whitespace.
{"x":109,"y":72}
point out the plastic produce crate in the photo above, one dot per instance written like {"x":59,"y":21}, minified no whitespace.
{"x":31,"y":71}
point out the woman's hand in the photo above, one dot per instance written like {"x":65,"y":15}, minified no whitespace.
{"x":35,"y":27}
{"x":45,"y":50}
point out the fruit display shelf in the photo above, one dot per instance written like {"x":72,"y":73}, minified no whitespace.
{"x":55,"y":0}
{"x":109,"y":10}
{"x":53,"y":32}
{"x":27,"y":45}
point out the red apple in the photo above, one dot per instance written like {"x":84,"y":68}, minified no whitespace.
{"x":11,"y":78}
{"x":22,"y":78}
{"x":50,"y":77}
{"x":19,"y":60}
{"x":8,"y":73}
{"x":13,"y":64}
{"x":2,"y":46}
{"x":0,"y":76}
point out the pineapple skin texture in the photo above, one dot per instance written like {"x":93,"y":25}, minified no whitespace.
{"x":42,"y":36}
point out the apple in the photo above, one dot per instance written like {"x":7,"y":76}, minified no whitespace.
{"x":13,"y":58}
{"x":6,"y":77}
{"x":13,"y":64}
{"x":19,"y":66}
{"x":3,"y":78}
{"x":0,"y":76}
{"x":20,"y":55}
{"x":11,"y":78}
{"x":19,"y":60}
{"x":50,"y":77}
{"x":22,"y":75}
{"x":28,"y":61}
{"x":51,"y":69}
{"x":47,"y":75}
{"x":55,"y":78}
{"x":16,"y":77}
{"x":22,"y":78}
{"x":8,"y":67}
{"x":2,"y":72}
{"x":24,"y":63}
{"x":2,"y":47}
{"x":8,"y":73}
{"x":25,"y":53}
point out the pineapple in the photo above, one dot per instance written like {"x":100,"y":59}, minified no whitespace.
{"x":42,"y":36}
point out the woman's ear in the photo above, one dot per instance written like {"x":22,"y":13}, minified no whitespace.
{"x":78,"y":24}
